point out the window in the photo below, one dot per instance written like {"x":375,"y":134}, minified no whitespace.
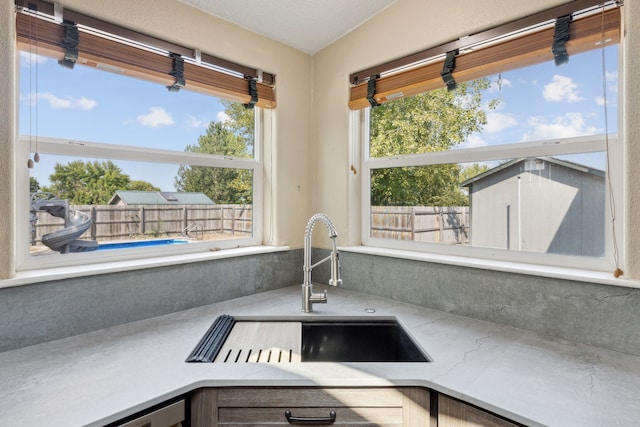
{"x":126,"y":164}
{"x":519,"y":164}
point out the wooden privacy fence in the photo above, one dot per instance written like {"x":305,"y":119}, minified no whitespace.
{"x":421,"y":223}
{"x":130,"y":222}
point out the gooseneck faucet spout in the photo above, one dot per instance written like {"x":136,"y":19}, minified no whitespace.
{"x":308,"y":296}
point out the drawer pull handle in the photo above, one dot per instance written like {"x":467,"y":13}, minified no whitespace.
{"x":311,"y":420}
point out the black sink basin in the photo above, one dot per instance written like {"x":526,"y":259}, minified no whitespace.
{"x":358,"y":341}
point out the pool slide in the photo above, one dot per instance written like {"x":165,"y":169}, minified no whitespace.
{"x":75,"y":224}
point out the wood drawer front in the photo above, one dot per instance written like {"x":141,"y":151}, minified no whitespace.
{"x":388,"y":417}
{"x":248,"y":406}
{"x":311,"y":397}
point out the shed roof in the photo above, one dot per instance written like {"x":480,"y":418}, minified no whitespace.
{"x":131,"y":197}
{"x":564,"y":163}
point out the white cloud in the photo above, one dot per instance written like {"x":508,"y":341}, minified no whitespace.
{"x":27,"y":58}
{"x":157,"y":117}
{"x":561,"y":89}
{"x":193,"y":122}
{"x":568,"y":125}
{"x":497,"y":122}
{"x":473,"y":141}
{"x":600,"y":100}
{"x":222,"y":117}
{"x":69,"y":102}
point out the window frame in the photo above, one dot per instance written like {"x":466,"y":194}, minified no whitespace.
{"x":575,"y":145}
{"x":420,"y":72}
{"x":111,"y":47}
{"x":90,"y":149}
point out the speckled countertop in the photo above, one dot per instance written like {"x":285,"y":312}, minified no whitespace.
{"x":100,"y":377}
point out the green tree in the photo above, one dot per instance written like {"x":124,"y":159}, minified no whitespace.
{"x":90,"y":183}
{"x":138,"y":185}
{"x":430,"y":122}
{"x":241,"y":122}
{"x":230,"y":138}
{"x":34,"y":185}
{"x":475,"y":169}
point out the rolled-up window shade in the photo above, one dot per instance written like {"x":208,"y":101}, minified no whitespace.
{"x":111,"y":54}
{"x":533,"y":47}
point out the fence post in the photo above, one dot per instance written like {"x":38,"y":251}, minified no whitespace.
{"x":142,"y":221}
{"x":94,"y":218}
{"x":413,"y":223}
{"x":185,"y":223}
{"x":233,"y":220}
{"x":441,"y":224}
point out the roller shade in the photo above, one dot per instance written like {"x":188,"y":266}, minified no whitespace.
{"x":152,"y":63}
{"x":534,"y":46}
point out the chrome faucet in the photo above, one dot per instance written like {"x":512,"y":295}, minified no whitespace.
{"x":308,"y":296}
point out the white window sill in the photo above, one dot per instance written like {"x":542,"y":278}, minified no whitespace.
{"x":59,"y":273}
{"x":579,"y":275}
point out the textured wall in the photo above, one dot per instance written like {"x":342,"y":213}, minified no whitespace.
{"x":631,"y":131}
{"x":7,"y":135}
{"x":600,"y":315}
{"x":42,"y":312}
{"x":409,"y":26}
{"x":287,"y":159}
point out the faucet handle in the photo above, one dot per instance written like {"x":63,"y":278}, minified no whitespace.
{"x":318,"y":297}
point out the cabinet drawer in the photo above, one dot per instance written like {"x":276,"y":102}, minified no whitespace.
{"x":244,"y":406}
{"x":315,"y":397}
{"x":388,"y":417}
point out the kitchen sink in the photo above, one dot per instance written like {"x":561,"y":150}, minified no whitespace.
{"x":358,"y":341}
{"x":271,"y":340}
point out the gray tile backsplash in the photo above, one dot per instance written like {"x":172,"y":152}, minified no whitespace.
{"x":601,"y":315}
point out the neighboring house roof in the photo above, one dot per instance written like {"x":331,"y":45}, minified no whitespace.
{"x":564,"y":163}
{"x":129,"y":197}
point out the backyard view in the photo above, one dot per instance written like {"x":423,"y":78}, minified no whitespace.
{"x":203,"y":203}
{"x":461,"y":203}
{"x":536,"y":203}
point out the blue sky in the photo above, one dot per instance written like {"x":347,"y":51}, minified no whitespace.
{"x":546,"y":101}
{"x":120,"y":110}
{"x":536,"y":103}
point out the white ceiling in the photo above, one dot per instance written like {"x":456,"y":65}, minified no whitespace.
{"x":307,"y":25}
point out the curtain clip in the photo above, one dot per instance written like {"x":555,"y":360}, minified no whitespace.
{"x":253,"y":92}
{"x":560,"y":38}
{"x":70,"y":44}
{"x":177,"y":72}
{"x":371,"y":91}
{"x":447,"y":69}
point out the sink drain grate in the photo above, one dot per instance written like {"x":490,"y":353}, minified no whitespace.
{"x":231,"y":341}
{"x":269,"y":355}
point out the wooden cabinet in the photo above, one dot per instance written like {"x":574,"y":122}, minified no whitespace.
{"x":250,"y":406}
{"x":454,"y":413}
{"x":382,"y":407}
